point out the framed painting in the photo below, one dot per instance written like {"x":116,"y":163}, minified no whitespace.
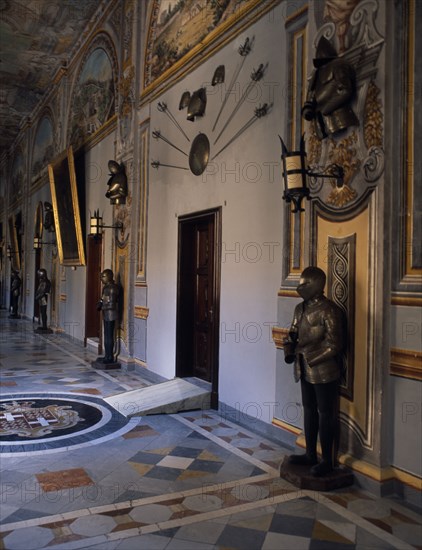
{"x":182,"y":34}
{"x":13,"y":234}
{"x":64,"y":194}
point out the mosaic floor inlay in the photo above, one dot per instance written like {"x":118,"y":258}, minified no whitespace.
{"x":189,"y":481}
{"x":31,"y":423}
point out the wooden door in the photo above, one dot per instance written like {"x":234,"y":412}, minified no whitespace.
{"x":37,"y":267}
{"x":93,"y":288}
{"x":198,"y":298}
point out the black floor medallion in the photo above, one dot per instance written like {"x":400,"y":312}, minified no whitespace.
{"x":47,"y":423}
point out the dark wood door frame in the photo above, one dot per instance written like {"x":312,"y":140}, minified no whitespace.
{"x":187,"y":226}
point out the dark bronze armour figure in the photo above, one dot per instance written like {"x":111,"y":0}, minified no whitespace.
{"x":15,"y":292}
{"x":117,"y":184}
{"x":43,"y":290}
{"x":316,"y":341}
{"x":331,"y":89}
{"x":109,"y":305}
{"x":49,"y":217}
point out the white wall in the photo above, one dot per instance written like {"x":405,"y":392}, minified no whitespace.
{"x":245,"y":181}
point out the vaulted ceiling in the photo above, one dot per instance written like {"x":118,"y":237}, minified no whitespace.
{"x":37,"y":37}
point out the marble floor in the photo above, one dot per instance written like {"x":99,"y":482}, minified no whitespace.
{"x":88,"y":477}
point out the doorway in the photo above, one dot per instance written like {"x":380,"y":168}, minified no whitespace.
{"x":93,"y":289}
{"x":198,"y":298}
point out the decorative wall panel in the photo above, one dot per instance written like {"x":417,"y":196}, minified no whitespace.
{"x":348,"y":265}
{"x":294,"y":233}
{"x":408,"y":258}
{"x":143,"y":209}
{"x":341,"y":289}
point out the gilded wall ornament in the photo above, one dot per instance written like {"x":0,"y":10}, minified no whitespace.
{"x":344,"y":154}
{"x":373,"y":126}
{"x":357,"y":147}
{"x":126,"y":92}
{"x":314,"y":144}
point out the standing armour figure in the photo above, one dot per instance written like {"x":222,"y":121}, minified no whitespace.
{"x":43,"y":290}
{"x":15,"y":293}
{"x":109,"y":305}
{"x":315,"y":343}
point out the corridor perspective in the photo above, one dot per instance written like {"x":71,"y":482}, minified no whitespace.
{"x":194,"y":480}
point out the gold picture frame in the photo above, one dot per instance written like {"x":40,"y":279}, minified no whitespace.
{"x":67,"y":219}
{"x":16,"y":253}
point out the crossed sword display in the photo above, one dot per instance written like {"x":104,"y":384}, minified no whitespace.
{"x":259,"y":112}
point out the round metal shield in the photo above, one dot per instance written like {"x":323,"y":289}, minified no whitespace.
{"x":199,"y":154}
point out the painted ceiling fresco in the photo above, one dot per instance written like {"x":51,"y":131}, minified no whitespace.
{"x":36,"y":38}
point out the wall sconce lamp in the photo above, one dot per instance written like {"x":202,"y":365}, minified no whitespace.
{"x":38,"y":243}
{"x":96,"y":224}
{"x":296,"y":172}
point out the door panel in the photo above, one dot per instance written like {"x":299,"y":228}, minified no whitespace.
{"x":203,"y":302}
{"x":93,"y":288}
{"x":198,"y":297}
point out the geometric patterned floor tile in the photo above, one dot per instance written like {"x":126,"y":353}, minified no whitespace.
{"x":235,"y":537}
{"x":196,"y":480}
{"x":64,"y":479}
{"x":141,"y":431}
{"x":291,"y":525}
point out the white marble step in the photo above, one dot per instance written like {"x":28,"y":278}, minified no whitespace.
{"x":167,"y":397}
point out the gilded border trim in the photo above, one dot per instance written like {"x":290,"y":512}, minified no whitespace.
{"x":286,"y":293}
{"x":293,"y":16}
{"x":406,"y":363}
{"x":141,"y":312}
{"x":121,"y":273}
{"x":408,"y":277}
{"x":143,"y":201}
{"x":13,"y":234}
{"x":381,"y":474}
{"x":286,"y":426}
{"x":362,"y":467}
{"x":294,"y":239}
{"x":402,"y":300}
{"x":279,"y":335}
{"x":410,"y":270}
